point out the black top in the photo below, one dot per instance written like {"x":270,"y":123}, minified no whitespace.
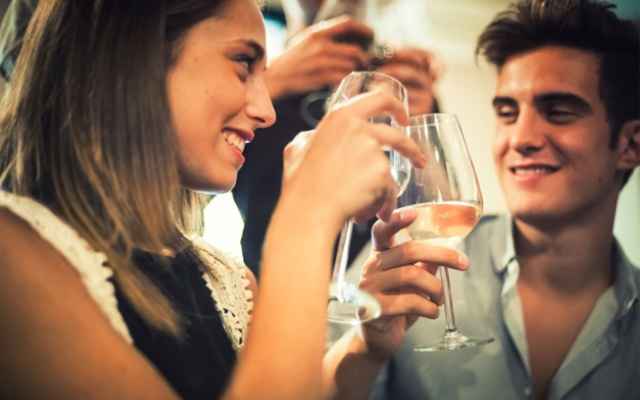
{"x":199,"y":365}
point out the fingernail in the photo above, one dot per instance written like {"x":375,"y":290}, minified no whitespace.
{"x":463,"y":260}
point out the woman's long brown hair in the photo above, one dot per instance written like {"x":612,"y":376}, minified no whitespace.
{"x":85,"y":128}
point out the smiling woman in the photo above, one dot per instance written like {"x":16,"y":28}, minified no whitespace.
{"x":119,"y":115}
{"x":212,"y":129}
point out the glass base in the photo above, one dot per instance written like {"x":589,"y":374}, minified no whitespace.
{"x":350,"y":305}
{"x":454,"y":340}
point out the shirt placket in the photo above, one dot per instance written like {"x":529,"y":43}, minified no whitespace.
{"x":514,"y":323}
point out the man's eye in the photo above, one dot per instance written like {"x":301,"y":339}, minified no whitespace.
{"x":561,"y":115}
{"x":506,"y":113}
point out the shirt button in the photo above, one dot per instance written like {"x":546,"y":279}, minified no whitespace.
{"x":527,"y":391}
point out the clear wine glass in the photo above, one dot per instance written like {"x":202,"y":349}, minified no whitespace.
{"x":448,"y":201}
{"x":347,"y":303}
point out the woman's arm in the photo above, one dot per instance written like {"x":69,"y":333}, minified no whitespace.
{"x":324,"y":189}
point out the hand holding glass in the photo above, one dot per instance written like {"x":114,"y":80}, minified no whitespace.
{"x":347,"y":303}
{"x":447,"y":198}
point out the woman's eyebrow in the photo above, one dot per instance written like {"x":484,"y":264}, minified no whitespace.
{"x":255,"y":47}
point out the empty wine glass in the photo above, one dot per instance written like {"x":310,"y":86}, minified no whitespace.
{"x":347,"y":303}
{"x":447,"y":198}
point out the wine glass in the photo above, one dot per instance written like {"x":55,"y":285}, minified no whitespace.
{"x":347,"y":303}
{"x":447,"y":198}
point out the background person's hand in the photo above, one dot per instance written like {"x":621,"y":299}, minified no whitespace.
{"x":316,"y":57}
{"x":402,"y":278}
{"x":342,"y":166}
{"x":418,"y":70}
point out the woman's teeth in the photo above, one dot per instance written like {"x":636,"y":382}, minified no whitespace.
{"x":234,"y":140}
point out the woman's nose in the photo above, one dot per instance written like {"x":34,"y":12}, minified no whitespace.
{"x":260,"y":106}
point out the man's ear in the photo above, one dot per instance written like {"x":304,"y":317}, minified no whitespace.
{"x":628,"y":146}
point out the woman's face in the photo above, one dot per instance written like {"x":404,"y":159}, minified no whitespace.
{"x":217,"y":95}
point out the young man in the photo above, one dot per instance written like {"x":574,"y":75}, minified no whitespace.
{"x":549,"y":280}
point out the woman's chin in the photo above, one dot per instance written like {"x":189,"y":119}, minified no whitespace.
{"x":217,"y":187}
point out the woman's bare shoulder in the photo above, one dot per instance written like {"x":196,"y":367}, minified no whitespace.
{"x":18,"y":240}
{"x":53,"y":331}
{"x":31,"y":269}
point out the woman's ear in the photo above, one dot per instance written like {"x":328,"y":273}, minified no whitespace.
{"x":628,"y":147}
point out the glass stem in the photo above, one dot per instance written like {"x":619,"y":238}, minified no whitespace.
{"x":449,"y":315}
{"x":342,"y":257}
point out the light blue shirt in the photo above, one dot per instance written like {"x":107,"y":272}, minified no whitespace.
{"x":603,"y":363}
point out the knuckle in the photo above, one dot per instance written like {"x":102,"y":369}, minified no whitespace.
{"x":387,"y":97}
{"x":315,"y":35}
{"x":288,"y":150}
{"x":411,"y":250}
{"x":438,"y":289}
{"x":453,"y":257}
{"x":409,"y":274}
{"x":381,"y":169}
{"x":336,"y":116}
{"x":366,"y":284}
{"x":378,"y":228}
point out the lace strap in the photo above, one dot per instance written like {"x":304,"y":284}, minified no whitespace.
{"x":90,"y":264}
{"x":230,"y":290}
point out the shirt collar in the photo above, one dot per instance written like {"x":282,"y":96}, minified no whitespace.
{"x":503,"y":249}
{"x":627,"y":275}
{"x":626,"y":282}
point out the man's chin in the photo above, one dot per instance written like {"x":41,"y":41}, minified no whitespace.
{"x":531,"y":212}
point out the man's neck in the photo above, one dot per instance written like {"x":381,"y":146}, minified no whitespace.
{"x":566,"y":258}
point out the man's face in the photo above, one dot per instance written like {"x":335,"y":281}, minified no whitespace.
{"x":551,"y":150}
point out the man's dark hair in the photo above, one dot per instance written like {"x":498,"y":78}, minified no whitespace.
{"x":589,"y":25}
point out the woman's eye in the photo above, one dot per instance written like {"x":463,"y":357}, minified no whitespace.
{"x":246,"y":61}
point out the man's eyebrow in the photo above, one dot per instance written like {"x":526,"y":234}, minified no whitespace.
{"x":564,"y":98}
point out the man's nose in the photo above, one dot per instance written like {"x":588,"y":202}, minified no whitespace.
{"x":528,"y":134}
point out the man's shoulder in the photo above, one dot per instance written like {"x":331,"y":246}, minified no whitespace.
{"x":493,"y":225}
{"x":491,"y":239}
{"x":635,"y":273}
